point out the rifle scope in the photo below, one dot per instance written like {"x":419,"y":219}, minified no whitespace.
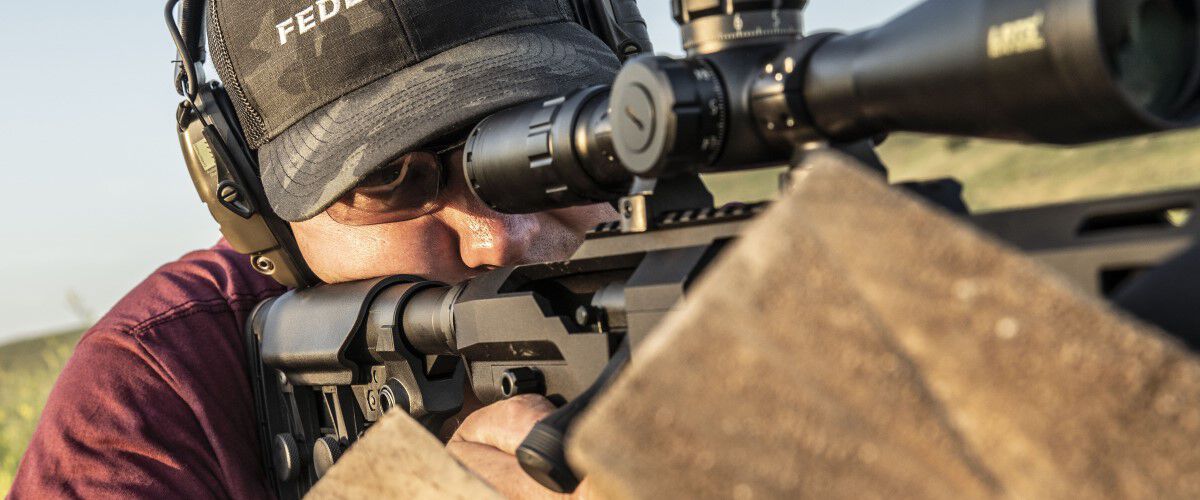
{"x":752,"y":89}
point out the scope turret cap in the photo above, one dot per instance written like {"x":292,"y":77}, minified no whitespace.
{"x":330,"y":90}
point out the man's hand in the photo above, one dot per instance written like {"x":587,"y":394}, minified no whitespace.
{"x":487,"y":442}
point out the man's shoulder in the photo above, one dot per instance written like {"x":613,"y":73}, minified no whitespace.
{"x":217,"y":280}
{"x":156,"y":397}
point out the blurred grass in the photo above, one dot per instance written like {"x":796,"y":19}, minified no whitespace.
{"x":27,"y":372}
{"x":1003,"y":175}
{"x":1000,"y":175}
{"x":996,"y":176}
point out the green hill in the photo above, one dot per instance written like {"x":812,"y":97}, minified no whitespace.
{"x":996,"y":175}
{"x":27,"y":372}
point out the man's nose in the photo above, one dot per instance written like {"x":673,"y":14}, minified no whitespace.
{"x":487,"y":238}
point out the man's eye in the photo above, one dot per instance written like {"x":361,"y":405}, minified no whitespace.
{"x":402,"y":190}
{"x":385,"y":177}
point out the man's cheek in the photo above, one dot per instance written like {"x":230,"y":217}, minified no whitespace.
{"x":585,"y":218}
{"x":339,"y":253}
{"x":562,"y":234}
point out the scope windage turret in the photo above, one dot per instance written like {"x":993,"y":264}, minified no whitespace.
{"x":1052,"y":71}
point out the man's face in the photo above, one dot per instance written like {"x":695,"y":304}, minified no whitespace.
{"x":458,"y":240}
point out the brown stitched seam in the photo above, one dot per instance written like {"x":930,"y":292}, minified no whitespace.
{"x":237,"y":303}
{"x":193,"y":308}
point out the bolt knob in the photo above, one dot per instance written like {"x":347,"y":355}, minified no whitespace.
{"x":585,"y":315}
{"x":523,"y":380}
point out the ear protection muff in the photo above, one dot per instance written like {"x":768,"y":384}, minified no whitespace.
{"x":222,"y":166}
{"x":225,"y":171}
{"x":618,"y":23}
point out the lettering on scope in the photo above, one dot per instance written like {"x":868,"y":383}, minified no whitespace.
{"x":308,"y":19}
{"x":1017,"y":37}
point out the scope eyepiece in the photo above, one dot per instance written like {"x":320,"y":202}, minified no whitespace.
{"x":546,"y":155}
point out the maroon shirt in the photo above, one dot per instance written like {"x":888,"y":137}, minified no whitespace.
{"x":156,"y":401}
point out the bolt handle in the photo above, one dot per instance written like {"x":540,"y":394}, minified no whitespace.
{"x":543,"y":456}
{"x":543,"y":453}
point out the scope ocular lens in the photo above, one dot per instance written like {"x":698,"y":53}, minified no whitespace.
{"x":1152,"y":48}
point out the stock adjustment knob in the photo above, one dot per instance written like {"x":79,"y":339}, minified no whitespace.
{"x":326,"y":451}
{"x":668,"y":116}
{"x":286,"y":457}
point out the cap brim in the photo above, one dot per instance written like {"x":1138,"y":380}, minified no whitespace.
{"x":318,"y":159}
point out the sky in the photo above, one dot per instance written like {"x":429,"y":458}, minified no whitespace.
{"x":95,"y":194}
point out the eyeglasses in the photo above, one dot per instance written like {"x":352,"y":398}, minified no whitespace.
{"x":406,"y":188}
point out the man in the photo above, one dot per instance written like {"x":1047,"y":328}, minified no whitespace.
{"x":357,"y":110}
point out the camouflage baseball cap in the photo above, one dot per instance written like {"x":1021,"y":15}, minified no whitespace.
{"x":330,"y":90}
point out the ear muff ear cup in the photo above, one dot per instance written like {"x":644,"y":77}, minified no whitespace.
{"x":222,"y":167}
{"x":224,"y":173}
{"x":619,"y":23}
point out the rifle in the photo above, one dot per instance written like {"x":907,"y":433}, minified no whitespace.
{"x":754,"y":91}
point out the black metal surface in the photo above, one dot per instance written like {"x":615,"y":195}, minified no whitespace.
{"x":1100,"y":245}
{"x":945,"y":66}
{"x":1031,"y":70}
{"x":668,"y":115}
{"x":288,"y":422}
{"x":430,"y":394}
{"x":336,"y":367}
{"x":310,"y":331}
{"x":1167,"y":296}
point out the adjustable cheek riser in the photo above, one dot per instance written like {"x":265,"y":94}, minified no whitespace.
{"x":242,"y":224}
